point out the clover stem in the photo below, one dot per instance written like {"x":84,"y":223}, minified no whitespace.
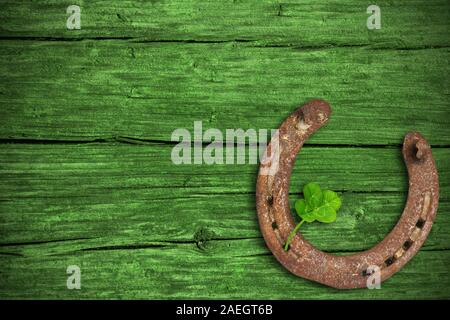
{"x":291,"y":235}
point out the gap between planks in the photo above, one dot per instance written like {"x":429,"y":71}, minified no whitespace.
{"x":252,"y":43}
{"x":139,"y":141}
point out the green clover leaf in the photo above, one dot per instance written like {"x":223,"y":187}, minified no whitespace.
{"x":325,"y":214}
{"x":313,"y":194}
{"x":332,"y":199}
{"x":302,"y":209}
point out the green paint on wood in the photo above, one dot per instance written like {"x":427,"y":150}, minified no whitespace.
{"x":102,"y":89}
{"x":86,"y":117}
{"x":221,"y":269}
{"x":310,"y":23}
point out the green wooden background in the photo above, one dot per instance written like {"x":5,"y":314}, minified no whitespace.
{"x":86,"y":118}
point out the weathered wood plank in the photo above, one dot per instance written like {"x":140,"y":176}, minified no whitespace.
{"x":364,"y":220}
{"x":140,"y":226}
{"x":221,"y":269}
{"x":124,"y":194}
{"x":100,"y":89}
{"x":298,"y":22}
{"x":34,"y":171}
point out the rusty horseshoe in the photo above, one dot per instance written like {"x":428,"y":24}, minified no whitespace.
{"x":303,"y":259}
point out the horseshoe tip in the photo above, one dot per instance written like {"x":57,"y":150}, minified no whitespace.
{"x":320,"y":104}
{"x":414,"y":135}
{"x":415,"y":138}
{"x":320,"y":108}
{"x":415,"y":145}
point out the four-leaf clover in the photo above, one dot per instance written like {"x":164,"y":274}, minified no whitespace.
{"x":320,"y":205}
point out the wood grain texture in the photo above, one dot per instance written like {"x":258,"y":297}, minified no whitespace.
{"x":239,"y":269}
{"x":86,"y":118}
{"x":302,"y":23}
{"x":103,"y":89}
{"x":42,"y":170}
{"x":129,"y":217}
{"x":121,"y":194}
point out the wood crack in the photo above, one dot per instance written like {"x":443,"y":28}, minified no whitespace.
{"x":141,"y":141}
{"x":14,"y":244}
{"x":258,"y":43}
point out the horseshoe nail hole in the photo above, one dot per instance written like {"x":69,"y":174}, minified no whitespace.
{"x":270,"y":200}
{"x":420,"y":223}
{"x":418,"y":150}
{"x":302,"y":126}
{"x":414,"y":151}
{"x":301,"y":123}
{"x":274,"y":225}
{"x":389,"y":261}
{"x":366,"y":272}
{"x":407,"y":244}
